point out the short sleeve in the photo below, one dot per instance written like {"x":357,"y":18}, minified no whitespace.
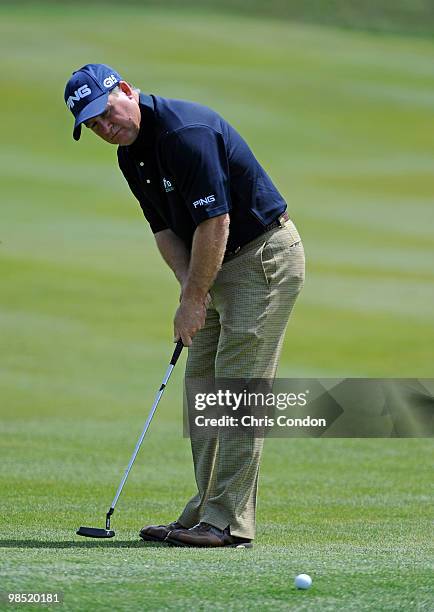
{"x":152,"y":216}
{"x":197,"y":160}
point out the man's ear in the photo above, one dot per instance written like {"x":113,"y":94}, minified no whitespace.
{"x":126,"y":88}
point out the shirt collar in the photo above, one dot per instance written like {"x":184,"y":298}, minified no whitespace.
{"x":146,"y":136}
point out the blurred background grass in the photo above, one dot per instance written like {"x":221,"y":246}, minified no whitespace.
{"x":336,"y":100}
{"x":414,"y":17}
{"x":342,"y":121}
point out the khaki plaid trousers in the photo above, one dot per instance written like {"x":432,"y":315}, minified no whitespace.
{"x":252,"y":299}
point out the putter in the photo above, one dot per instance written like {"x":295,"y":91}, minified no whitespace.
{"x":95,"y":532}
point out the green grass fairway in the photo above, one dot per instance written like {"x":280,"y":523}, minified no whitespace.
{"x":344,"y":123}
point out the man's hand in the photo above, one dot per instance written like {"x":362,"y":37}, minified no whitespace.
{"x":189,"y":319}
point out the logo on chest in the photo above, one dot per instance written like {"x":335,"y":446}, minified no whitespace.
{"x":167,"y":185}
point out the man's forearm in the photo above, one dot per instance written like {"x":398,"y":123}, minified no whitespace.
{"x":195,"y":271}
{"x":207,"y":252}
{"x":174,"y":252}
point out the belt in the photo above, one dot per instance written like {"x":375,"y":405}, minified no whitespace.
{"x":279,"y":222}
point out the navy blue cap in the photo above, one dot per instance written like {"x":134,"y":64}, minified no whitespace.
{"x":87,"y":92}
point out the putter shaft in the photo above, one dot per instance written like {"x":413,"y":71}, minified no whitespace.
{"x":175,"y":356}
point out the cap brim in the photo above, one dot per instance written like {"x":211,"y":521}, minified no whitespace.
{"x":93,"y":109}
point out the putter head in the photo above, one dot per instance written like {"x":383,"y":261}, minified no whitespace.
{"x":94,"y":532}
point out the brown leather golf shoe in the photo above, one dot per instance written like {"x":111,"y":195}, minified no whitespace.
{"x":206,"y":536}
{"x":158,"y":533}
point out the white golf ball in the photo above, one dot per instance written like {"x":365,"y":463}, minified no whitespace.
{"x":303,"y":581}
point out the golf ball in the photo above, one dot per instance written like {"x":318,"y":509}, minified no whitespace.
{"x":303,"y":581}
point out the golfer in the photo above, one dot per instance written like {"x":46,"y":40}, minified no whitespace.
{"x":222,"y":227}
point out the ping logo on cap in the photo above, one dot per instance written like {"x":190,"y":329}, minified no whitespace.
{"x":78,"y":94}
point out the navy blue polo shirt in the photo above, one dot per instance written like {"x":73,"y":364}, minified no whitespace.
{"x":188,"y":164}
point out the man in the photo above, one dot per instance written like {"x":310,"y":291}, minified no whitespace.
{"x":222,"y":227}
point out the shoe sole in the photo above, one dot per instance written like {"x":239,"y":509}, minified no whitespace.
{"x":184,"y":545}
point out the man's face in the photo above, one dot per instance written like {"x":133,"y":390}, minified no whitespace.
{"x":120,"y":122}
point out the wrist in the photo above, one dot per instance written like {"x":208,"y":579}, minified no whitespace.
{"x":193,"y":294}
